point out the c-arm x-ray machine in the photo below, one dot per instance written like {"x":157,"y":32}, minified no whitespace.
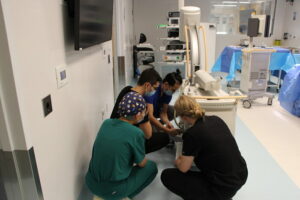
{"x":199,"y":84}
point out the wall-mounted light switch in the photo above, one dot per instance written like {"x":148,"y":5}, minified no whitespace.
{"x":61,"y":76}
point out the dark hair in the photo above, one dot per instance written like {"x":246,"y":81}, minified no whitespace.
{"x":143,"y":38}
{"x":173,"y":77}
{"x":149,"y":75}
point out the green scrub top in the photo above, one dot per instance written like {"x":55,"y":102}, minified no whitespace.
{"x":117,"y":147}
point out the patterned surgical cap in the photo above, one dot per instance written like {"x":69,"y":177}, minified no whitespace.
{"x":131,"y":104}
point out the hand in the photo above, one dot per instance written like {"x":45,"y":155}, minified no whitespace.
{"x":173,"y":131}
{"x":169,"y":125}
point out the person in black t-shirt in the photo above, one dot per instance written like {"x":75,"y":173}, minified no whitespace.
{"x":148,"y":82}
{"x":210,"y":145}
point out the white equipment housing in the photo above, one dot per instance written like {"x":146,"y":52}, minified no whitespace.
{"x":254,"y":76}
{"x":144,"y":56}
{"x":145,"y":53}
{"x":202,"y":38}
{"x":255,"y":73}
{"x":223,"y":108}
{"x":206,"y":81}
{"x":190,"y":17}
{"x":174,"y":21}
{"x":210,"y":47}
{"x":207,"y":86}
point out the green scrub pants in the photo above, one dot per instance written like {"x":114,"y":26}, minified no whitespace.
{"x":139,"y":178}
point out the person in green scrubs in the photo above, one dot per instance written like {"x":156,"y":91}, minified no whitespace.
{"x":118,"y":168}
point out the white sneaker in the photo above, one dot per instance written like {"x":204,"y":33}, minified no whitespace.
{"x":97,"y":198}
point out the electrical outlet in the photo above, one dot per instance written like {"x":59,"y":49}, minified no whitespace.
{"x":47,"y":105}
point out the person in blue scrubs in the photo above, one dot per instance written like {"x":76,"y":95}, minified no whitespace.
{"x":146,"y":86}
{"x":158,"y":104}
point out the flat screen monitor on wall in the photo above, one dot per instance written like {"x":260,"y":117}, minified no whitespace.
{"x":93,"y":22}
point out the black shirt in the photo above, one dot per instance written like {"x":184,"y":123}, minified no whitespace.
{"x":215,"y":152}
{"x":115,"y":114}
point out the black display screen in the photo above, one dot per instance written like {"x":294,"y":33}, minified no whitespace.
{"x":93,"y":22}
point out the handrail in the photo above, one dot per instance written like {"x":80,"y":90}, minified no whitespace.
{"x":187,"y":68}
{"x":205,"y":45}
{"x":218,"y":97}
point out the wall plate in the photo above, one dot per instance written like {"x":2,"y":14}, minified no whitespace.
{"x":47,"y":105}
{"x":61,"y":76}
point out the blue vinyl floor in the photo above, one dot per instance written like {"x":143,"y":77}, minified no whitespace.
{"x":266,"y":181}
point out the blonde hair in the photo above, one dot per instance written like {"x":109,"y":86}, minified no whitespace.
{"x":187,"y":106}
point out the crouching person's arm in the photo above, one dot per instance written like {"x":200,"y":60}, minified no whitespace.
{"x":184,"y":163}
{"x":147,"y":129}
{"x":138,"y":149}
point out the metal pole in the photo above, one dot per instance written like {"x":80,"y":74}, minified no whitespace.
{"x":251,"y":42}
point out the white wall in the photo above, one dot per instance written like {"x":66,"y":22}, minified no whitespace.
{"x":124,"y":37}
{"x":3,"y":129}
{"x":147,"y":14}
{"x":129,"y":39}
{"x":292,"y":26}
{"x":11,"y":130}
{"x":40,"y":38}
